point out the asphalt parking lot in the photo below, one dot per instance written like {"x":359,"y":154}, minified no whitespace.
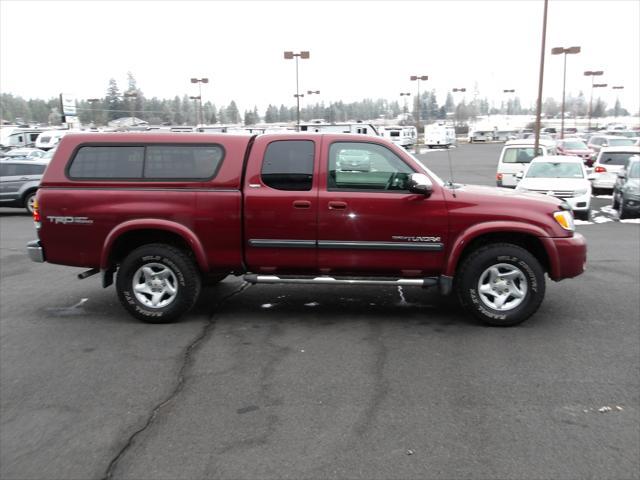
{"x":322,"y":382}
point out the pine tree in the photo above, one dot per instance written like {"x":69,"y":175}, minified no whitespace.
{"x":112,"y":103}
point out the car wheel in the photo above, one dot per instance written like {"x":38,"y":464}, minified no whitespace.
{"x":29,"y":202}
{"x":500,"y":284}
{"x":158,"y":283}
{"x":623,"y":213}
{"x":583,"y":214}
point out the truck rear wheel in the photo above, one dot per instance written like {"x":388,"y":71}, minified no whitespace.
{"x":501,"y":284}
{"x":158,"y":283}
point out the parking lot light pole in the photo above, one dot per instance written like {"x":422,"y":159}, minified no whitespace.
{"x":565,"y":51}
{"x":199,"y":81}
{"x":93,"y":102}
{"x":508,"y":91}
{"x":590,"y":73}
{"x":418,"y":78}
{"x":617,"y":87}
{"x":131,"y":96}
{"x":405,"y":94}
{"x":289,"y":56}
{"x":195,"y":105}
{"x":536,"y":143}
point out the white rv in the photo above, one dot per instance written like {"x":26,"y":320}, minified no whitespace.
{"x":400,"y":135}
{"x":361,"y":128}
{"x":439,"y":136}
{"x":50,"y":139}
{"x":14,"y":137}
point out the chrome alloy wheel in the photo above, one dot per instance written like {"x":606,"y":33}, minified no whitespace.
{"x":155,"y":285}
{"x":31,"y":201}
{"x":502,"y":287}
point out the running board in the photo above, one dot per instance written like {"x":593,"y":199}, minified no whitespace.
{"x":402,"y":282}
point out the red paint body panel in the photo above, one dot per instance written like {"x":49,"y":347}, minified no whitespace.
{"x":218,"y":218}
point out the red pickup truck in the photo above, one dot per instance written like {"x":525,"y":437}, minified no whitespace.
{"x":169,"y":212}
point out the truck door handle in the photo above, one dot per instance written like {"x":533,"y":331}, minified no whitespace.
{"x":337,"y":205}
{"x":301,"y":204}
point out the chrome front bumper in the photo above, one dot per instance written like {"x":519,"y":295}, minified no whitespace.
{"x":35,"y":251}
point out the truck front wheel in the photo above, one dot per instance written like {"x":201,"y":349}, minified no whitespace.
{"x":501,"y":284}
{"x":158,"y":283}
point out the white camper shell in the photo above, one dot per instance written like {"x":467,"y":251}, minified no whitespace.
{"x":439,"y":136}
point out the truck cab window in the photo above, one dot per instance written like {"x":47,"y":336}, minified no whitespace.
{"x":366,"y":166}
{"x":288,"y":165}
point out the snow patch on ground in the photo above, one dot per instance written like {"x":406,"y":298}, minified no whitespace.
{"x":610,"y":197}
{"x":631,"y":220}
{"x":609,"y":209}
{"x":582,"y":222}
{"x":602,"y":219}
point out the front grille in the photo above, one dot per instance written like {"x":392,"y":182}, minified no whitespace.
{"x":557,"y":193}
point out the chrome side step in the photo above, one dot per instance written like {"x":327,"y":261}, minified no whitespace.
{"x":403,"y":282}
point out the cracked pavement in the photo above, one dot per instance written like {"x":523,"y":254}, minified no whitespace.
{"x":318,"y":382}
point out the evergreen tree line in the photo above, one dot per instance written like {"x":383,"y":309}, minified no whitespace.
{"x":184,"y":111}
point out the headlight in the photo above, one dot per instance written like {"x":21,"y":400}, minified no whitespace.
{"x":565,"y":220}
{"x":582,"y":191}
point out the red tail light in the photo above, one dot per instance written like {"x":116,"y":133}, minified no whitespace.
{"x":599,"y":169}
{"x":36,"y":213}
{"x":499,"y":176}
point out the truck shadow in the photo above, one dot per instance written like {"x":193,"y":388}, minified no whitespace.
{"x":327,"y":305}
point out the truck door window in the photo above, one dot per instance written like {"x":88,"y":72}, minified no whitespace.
{"x":366,"y":166}
{"x":182,"y":162}
{"x":288,"y":165}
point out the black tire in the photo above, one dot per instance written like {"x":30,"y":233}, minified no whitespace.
{"x":616,"y":203}
{"x":478,"y":262}
{"x":583,"y":214}
{"x":28,"y":201}
{"x":184,"y":277}
{"x":623,"y":213}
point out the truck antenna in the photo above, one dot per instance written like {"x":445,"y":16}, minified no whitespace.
{"x":453,"y":189}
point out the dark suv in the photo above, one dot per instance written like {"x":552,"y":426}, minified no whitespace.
{"x":626,"y":191}
{"x":19,"y":181}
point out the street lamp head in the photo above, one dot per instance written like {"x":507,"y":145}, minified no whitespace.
{"x":309,"y":92}
{"x":572,"y":50}
{"x":419,"y":77}
{"x":600,"y":85}
{"x":618,"y":87}
{"x":288,"y":55}
{"x":130,"y":94}
{"x":509,"y":91}
{"x":557,"y":51}
{"x":195,"y":98}
{"x":590,"y":73}
{"x":93,"y":100}
{"x":403,"y":94}
{"x":194,"y":80}
{"x":459,"y":89}
{"x":204,"y":80}
{"x":304,"y":54}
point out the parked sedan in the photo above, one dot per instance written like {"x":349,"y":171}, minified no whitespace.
{"x":559,"y":176}
{"x":576,"y":147}
{"x":24,"y":153}
{"x":626,"y":197}
{"x":609,"y":162}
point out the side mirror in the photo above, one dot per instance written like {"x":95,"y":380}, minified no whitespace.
{"x":519,"y":175}
{"x":591,"y":176}
{"x":605,"y":144}
{"x":622,"y":174}
{"x":420,"y":183}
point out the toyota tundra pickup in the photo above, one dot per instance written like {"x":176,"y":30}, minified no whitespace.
{"x":167,"y":213}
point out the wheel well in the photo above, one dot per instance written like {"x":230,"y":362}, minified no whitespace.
{"x":28,"y":191}
{"x":530,"y":243}
{"x":129,"y":241}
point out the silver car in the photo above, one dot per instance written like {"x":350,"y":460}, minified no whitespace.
{"x":19,"y":181}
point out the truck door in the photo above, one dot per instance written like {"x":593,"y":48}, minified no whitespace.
{"x":281,"y":205}
{"x":368,"y":222}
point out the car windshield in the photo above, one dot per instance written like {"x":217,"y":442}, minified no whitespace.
{"x":634,"y":170}
{"x":621,"y":142}
{"x":617,"y":158}
{"x":519,"y":155}
{"x":555,"y":170}
{"x":574,"y":145}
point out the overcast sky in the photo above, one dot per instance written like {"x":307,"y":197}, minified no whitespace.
{"x":359,"y":49}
